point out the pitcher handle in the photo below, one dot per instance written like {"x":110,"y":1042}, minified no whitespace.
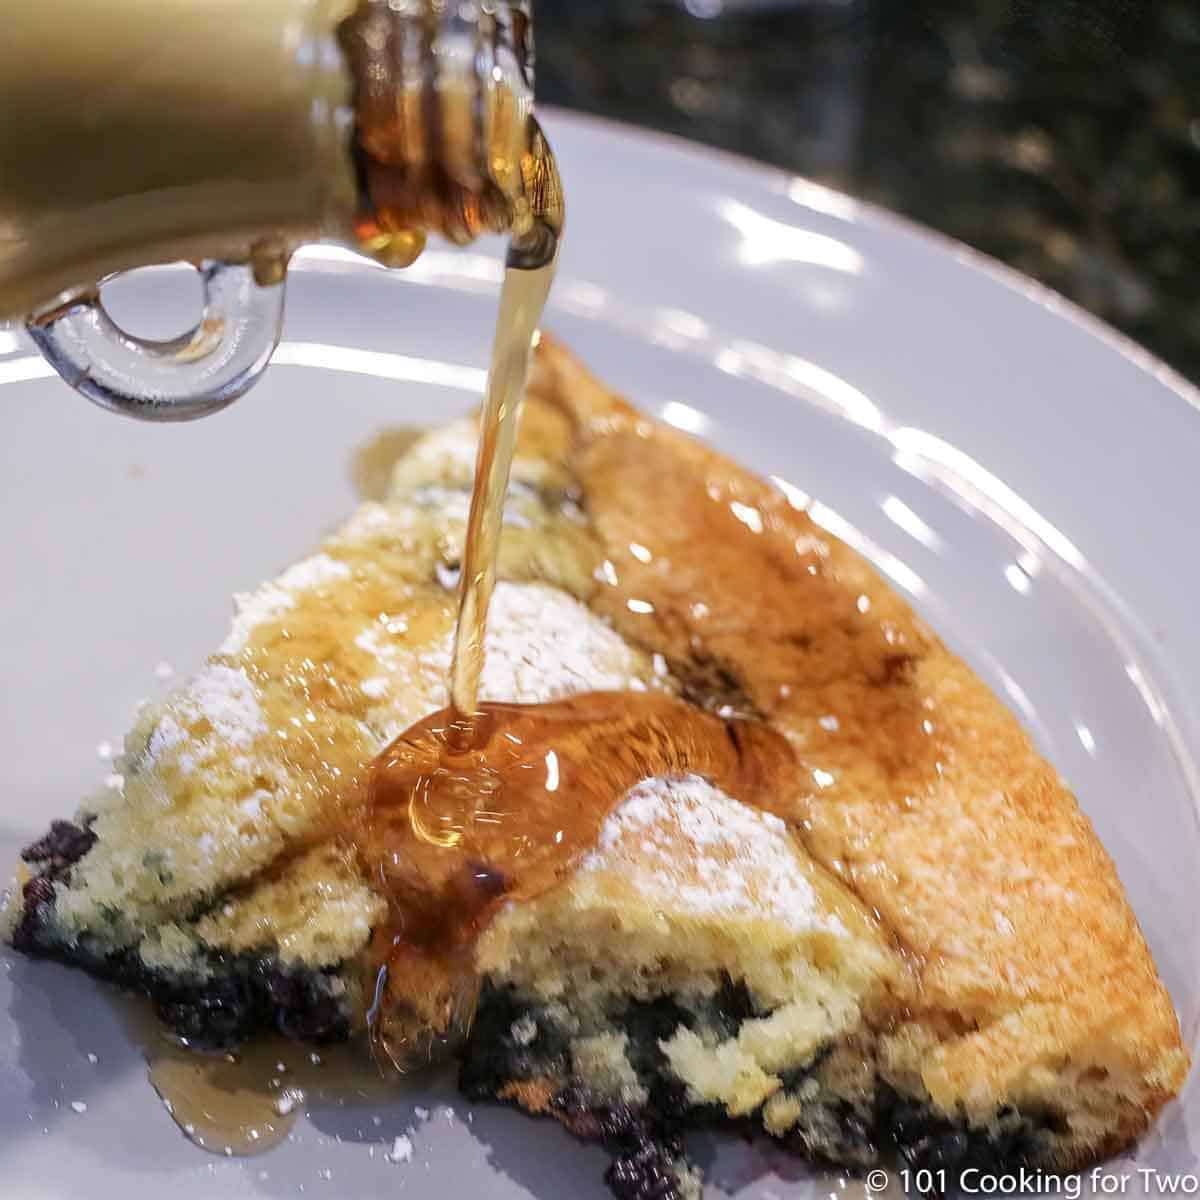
{"x":178,"y":379}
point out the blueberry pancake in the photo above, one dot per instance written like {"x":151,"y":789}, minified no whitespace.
{"x":920,"y":949}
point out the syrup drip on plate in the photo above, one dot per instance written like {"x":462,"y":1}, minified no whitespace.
{"x":248,"y":1102}
{"x":225,"y":1104}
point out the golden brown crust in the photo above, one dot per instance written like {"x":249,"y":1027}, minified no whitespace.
{"x":928,"y":797}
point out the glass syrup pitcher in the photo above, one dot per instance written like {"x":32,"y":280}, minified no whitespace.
{"x":226,"y":133}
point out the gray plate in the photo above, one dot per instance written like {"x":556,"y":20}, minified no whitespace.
{"x":1026,"y":477}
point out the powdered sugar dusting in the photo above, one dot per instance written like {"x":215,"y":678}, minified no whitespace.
{"x":373,"y":641}
{"x":167,"y":735}
{"x":444,"y":455}
{"x":226,"y":699}
{"x":453,"y":504}
{"x":740,"y":862}
{"x":542,"y":644}
{"x":370,"y":519}
{"x":273,"y":599}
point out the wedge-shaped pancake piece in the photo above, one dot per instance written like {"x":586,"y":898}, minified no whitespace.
{"x":922,"y":948}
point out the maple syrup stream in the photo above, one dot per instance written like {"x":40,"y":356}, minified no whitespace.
{"x":522,"y":300}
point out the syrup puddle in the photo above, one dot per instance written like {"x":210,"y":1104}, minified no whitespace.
{"x":247,"y":1103}
{"x":222,"y":1107}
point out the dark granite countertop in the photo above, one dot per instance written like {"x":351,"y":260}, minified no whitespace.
{"x":1062,"y":136}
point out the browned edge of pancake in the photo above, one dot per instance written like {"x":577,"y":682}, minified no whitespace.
{"x":940,"y":813}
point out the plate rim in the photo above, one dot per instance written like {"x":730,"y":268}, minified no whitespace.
{"x":874,"y":214}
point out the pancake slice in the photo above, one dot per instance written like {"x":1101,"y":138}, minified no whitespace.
{"x":921,"y":950}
